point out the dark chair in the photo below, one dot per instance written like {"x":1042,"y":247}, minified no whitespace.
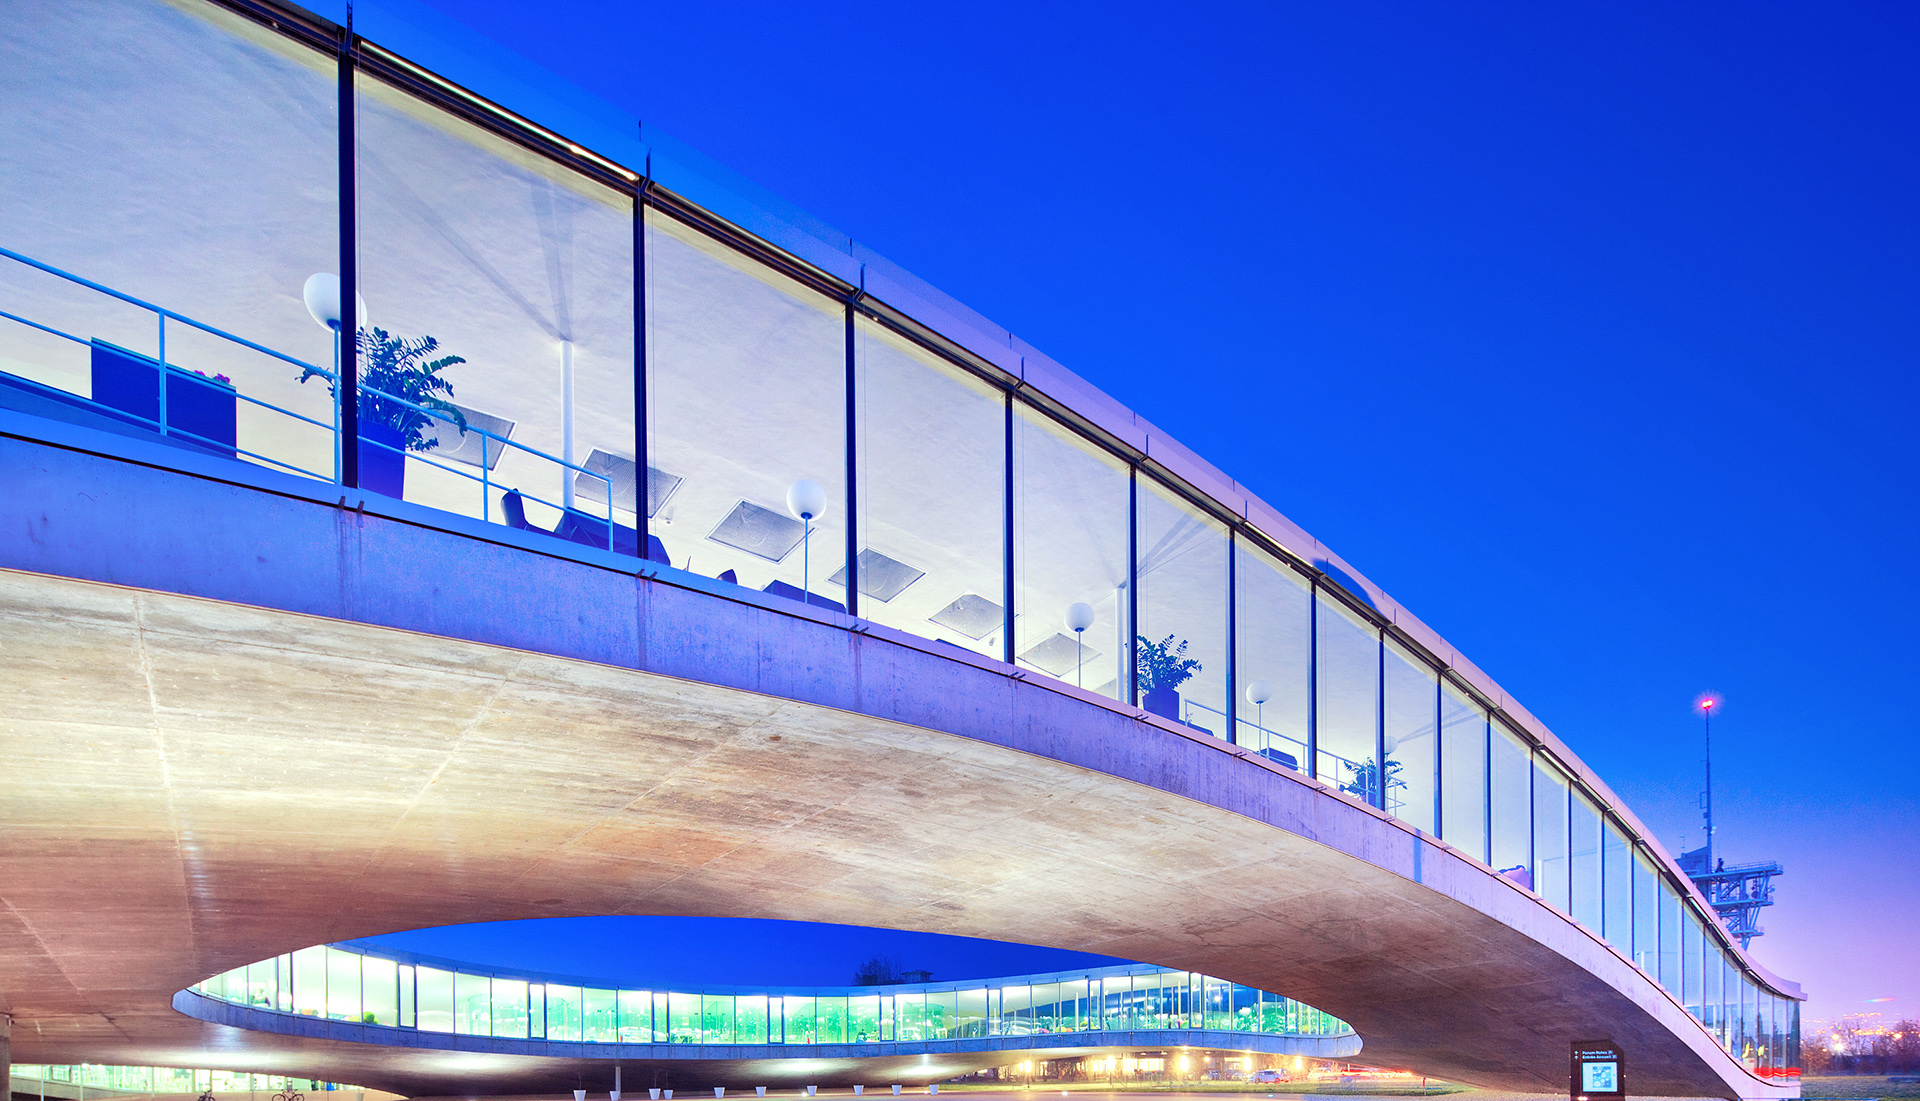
{"x":729,"y":577}
{"x":578,"y":527}
{"x":1279,"y":757}
{"x":793,"y":592}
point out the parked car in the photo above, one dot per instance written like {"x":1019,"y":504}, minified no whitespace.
{"x":1268,"y":1077}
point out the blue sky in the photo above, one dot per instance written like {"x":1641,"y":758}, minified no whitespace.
{"x":1588,"y":330}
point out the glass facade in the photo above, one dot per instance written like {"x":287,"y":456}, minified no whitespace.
{"x":452,"y":999}
{"x":119,"y":1079}
{"x":546,"y":346}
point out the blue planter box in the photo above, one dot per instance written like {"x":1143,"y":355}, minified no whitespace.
{"x":200,"y":411}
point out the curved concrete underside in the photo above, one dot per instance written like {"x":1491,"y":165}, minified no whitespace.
{"x":425,"y":1061}
{"x":194,"y":785}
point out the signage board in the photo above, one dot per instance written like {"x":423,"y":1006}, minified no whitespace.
{"x":1599,"y":1071}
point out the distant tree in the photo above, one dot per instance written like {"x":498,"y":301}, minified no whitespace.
{"x":878,"y":971}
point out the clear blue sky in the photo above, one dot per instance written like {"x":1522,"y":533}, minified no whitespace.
{"x":1588,"y":330}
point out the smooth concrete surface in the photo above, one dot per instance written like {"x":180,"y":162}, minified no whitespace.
{"x":375,"y":725}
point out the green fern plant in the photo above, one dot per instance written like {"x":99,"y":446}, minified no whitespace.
{"x":1162,"y":664}
{"x":396,"y":367}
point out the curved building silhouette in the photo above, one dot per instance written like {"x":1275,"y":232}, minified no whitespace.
{"x":434,"y":496}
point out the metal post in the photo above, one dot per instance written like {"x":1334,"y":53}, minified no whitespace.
{"x":566,"y":431}
{"x":1006,"y":538}
{"x":853,"y":471}
{"x":163,"y":374}
{"x":347,"y":377}
{"x":1313,"y":678}
{"x":1233,"y":663}
{"x":643,"y":480}
{"x":1131,"y":647}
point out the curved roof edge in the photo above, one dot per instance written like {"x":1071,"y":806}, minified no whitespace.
{"x":592,"y":126}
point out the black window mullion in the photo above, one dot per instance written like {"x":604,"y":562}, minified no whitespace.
{"x":642,"y":445}
{"x":347,"y":385}
{"x":853,"y":473}
{"x":1233,"y":664}
{"x":1132,"y":647}
{"x":1006,"y":543}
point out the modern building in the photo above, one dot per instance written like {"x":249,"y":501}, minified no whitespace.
{"x":656,"y":549}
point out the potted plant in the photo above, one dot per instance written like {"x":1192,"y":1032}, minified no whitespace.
{"x":394,"y":367}
{"x":1161,"y":668}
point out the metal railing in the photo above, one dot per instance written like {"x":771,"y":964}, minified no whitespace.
{"x":492,"y":445}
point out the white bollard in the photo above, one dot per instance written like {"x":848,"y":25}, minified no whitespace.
{"x":719,"y":1091}
{"x":759,"y":1091}
{"x":579,"y":1095}
{"x":810,"y":1090}
{"x":858,"y":1090}
{"x":933,"y":1088}
{"x":896,"y":1090}
{"x":653,"y":1094}
{"x":668,"y":1094}
{"x":613,"y":1095}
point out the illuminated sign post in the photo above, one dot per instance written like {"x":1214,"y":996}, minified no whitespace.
{"x":1599,"y":1072}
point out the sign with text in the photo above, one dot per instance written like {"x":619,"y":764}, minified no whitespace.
{"x":1599,"y":1071}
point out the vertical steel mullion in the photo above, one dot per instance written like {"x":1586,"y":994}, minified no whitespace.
{"x":643,"y":489}
{"x":853,"y":471}
{"x":1313,"y":678}
{"x":1233,"y":632}
{"x":1486,"y":791}
{"x":1380,"y":718}
{"x":1006,"y":539}
{"x":1132,"y":647}
{"x":1439,"y":755}
{"x":347,"y":385}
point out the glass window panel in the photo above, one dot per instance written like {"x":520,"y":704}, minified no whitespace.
{"x":863,"y":1019}
{"x":599,"y":1016}
{"x":1412,"y":737}
{"x":750,"y":1019}
{"x":525,"y":269}
{"x":510,"y":1008}
{"x":1550,"y":834}
{"x":746,"y":397}
{"x":636,"y":1016}
{"x":831,"y":1020}
{"x":262,"y":983}
{"x":1070,"y":547}
{"x":799,"y":1020}
{"x":1046,"y":1009}
{"x":943,"y":1008}
{"x":932,"y":461}
{"x":972,"y":1013}
{"x":1272,"y":615}
{"x":1669,"y":938}
{"x":1016,"y":1011}
{"x":1713,"y":970}
{"x":1512,"y":802}
{"x":1245,"y":1008}
{"x":683,"y":1023}
{"x":379,"y":991}
{"x":1072,"y":994}
{"x":1181,"y":667}
{"x":1463,"y":773}
{"x":343,"y":985}
{"x":1646,"y":915}
{"x":912,"y":1009}
{"x":1616,"y":858}
{"x":537,"y":1011}
{"x":472,"y":1005}
{"x":1692,"y":951}
{"x":716,"y":1018}
{"x":1583,"y":843}
{"x":407,"y":1018}
{"x":1218,"y":1010}
{"x":436,"y":999}
{"x":189,"y":162}
{"x":310,"y":982}
{"x":563,"y":1012}
{"x":1346,"y":712}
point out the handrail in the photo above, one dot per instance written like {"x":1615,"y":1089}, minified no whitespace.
{"x":161,"y":310}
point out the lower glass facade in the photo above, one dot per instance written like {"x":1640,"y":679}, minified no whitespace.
{"x":548,"y":343}
{"x":121,"y":1079}
{"x":352,"y":984}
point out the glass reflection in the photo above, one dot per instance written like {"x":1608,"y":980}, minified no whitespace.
{"x":1411,"y":736}
{"x":1181,"y":646}
{"x":1346,"y":700}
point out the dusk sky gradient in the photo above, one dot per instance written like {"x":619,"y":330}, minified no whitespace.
{"x":1588,"y":331}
